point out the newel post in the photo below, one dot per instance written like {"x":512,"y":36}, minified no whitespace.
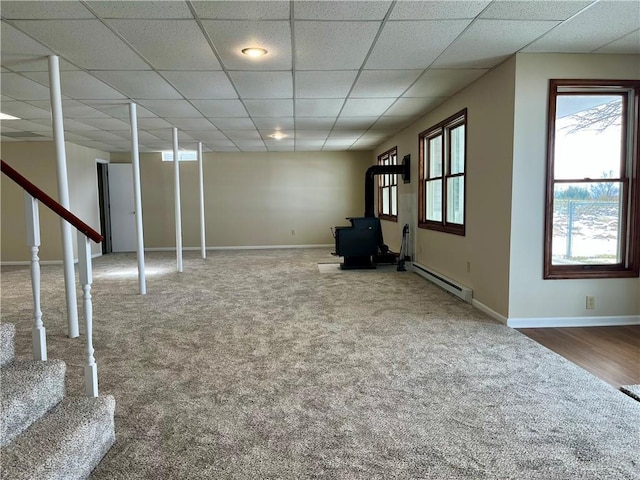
{"x":38,"y":332}
{"x":84,"y":266}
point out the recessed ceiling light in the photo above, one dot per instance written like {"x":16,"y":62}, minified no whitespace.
{"x":254,"y":52}
{"x":4,"y":116}
{"x":278,"y":135}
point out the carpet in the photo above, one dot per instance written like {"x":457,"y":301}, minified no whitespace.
{"x":632,"y":390}
{"x":253,"y":365}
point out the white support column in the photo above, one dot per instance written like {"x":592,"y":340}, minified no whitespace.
{"x":203,"y":241}
{"x":135,"y":161}
{"x":86,"y":278}
{"x":63,"y":195}
{"x":38,"y":332}
{"x":176,"y":191}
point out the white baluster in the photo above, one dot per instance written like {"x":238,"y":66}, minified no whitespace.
{"x":38,"y":332}
{"x":84,"y":267}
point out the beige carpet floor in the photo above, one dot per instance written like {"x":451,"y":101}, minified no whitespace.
{"x":255,"y":365}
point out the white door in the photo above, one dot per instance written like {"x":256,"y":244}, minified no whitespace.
{"x":123,"y":219}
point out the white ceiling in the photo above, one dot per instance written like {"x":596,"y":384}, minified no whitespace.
{"x":339,"y":74}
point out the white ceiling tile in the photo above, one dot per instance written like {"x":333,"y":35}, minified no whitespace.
{"x":87,"y":43}
{"x":263,"y":84}
{"x":343,"y":10}
{"x":375,"y":135}
{"x":243,"y":134}
{"x":600,"y":24}
{"x":102,"y":136}
{"x":365,"y":107}
{"x":364,"y":144}
{"x":627,"y":44}
{"x":152,"y":123}
{"x":443,"y":83}
{"x":77,"y":126}
{"x":324,"y":83}
{"x":232,"y":123}
{"x":169,"y":44}
{"x":312,"y":134}
{"x":338,"y":143}
{"x":19,"y":51}
{"x":383,"y":83}
{"x":166,"y":134}
{"x":414,"y":106}
{"x":221,"y":108}
{"x":419,"y":41}
{"x":533,"y":10}
{"x":436,"y":10}
{"x":245,"y":10}
{"x":285,"y":142}
{"x":139,"y":84}
{"x":37,"y":125}
{"x":318,"y":107}
{"x":120,"y":109}
{"x":333,"y":45}
{"x":44,"y":10}
{"x":393,"y":122}
{"x":21,"y":88}
{"x":24,"y":110}
{"x":201,"y":85}
{"x":143,"y":136}
{"x":249,"y":147}
{"x":190,"y":123}
{"x":314,"y":123}
{"x":79,"y":85}
{"x":9,"y":139}
{"x":206,"y":135}
{"x":355,"y":122}
{"x":275,"y":123}
{"x":171,"y":108}
{"x":270,"y":108}
{"x":314,"y":144}
{"x":230,"y":37}
{"x":145,"y":9}
{"x":351,"y":135}
{"x":220,"y":143}
{"x":289,"y":135}
{"x":107,"y":123}
{"x":488,"y":42}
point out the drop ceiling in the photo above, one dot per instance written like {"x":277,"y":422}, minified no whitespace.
{"x":339,"y":75}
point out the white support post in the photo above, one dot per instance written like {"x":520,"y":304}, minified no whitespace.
{"x":38,"y":332}
{"x":176,"y":191}
{"x":203,"y":241}
{"x":63,"y":195}
{"x":86,"y":278}
{"x":135,"y":161}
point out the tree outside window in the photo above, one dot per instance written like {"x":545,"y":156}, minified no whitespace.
{"x":388,"y":187}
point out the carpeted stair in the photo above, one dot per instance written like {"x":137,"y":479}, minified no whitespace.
{"x":42,"y":434}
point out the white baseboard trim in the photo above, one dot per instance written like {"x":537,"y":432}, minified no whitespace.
{"x":244,"y":247}
{"x":43,"y":262}
{"x":549,"y":322}
{"x":492,"y":313}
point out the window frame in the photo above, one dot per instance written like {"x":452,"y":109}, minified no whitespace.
{"x":442,"y":129}
{"x":629,"y":179}
{"x":388,"y":181}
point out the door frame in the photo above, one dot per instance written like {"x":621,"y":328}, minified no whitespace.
{"x":102,"y":178}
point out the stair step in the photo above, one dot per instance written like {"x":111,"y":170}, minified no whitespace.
{"x":29,"y":390}
{"x":66,"y":444}
{"x":7,"y":334}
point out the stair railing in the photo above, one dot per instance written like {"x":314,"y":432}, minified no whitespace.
{"x":32,"y":195}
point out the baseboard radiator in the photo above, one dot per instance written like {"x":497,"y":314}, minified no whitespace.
{"x":451,"y":286}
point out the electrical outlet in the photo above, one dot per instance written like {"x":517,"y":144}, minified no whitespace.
{"x":293,"y":232}
{"x":590,"y":303}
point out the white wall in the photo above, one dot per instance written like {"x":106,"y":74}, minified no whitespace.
{"x":529,"y":295}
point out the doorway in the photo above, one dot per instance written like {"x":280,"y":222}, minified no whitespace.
{"x":104,"y":204}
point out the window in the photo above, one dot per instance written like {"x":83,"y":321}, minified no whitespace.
{"x":591,"y":211}
{"x":442,"y":175}
{"x":388,"y":187}
{"x":183,"y":156}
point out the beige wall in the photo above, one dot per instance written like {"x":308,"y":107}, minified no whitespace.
{"x":253,"y":199}
{"x":530,"y":295}
{"x":490,"y":109}
{"x":36,"y":161}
